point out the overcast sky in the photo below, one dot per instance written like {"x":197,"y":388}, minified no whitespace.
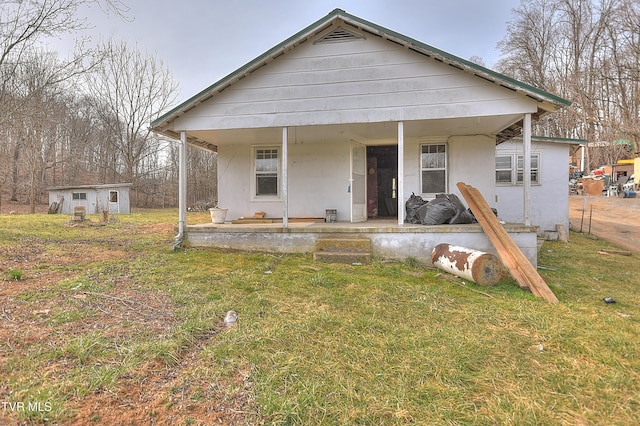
{"x":202,"y":41}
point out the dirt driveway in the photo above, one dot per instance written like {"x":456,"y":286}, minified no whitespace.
{"x":613,"y":219}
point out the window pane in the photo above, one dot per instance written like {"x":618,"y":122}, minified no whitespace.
{"x":267,"y":184}
{"x":503,"y":162}
{"x":433,"y":156}
{"x":266,"y":160}
{"x":503,"y":176}
{"x":433,"y":181}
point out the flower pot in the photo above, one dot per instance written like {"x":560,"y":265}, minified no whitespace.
{"x":218,"y":215}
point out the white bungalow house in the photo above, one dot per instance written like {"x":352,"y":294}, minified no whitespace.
{"x":350,"y":116}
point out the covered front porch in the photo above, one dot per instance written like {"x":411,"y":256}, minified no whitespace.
{"x":389,"y":240}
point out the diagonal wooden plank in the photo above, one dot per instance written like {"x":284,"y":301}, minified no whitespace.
{"x":513,"y":258}
{"x":521,"y":269}
{"x":504,"y":246}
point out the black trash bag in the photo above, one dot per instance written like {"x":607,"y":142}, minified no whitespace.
{"x":436,"y":212}
{"x":494,"y":210}
{"x":411,"y":206}
{"x":461,"y":215}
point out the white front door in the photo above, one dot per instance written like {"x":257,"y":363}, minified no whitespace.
{"x":114,"y":204}
{"x":358,"y":182}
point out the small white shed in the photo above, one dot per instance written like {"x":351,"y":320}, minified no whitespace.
{"x":113,"y":198}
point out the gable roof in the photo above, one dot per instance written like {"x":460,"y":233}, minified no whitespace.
{"x":547,"y":102}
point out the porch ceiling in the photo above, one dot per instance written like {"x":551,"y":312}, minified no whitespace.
{"x":384,"y":133}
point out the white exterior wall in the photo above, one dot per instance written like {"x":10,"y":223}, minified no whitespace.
{"x":318,"y":180}
{"x":102,"y":200}
{"x":549,"y":199}
{"x":69,"y":203}
{"x":362,"y":81}
{"x":470,"y":160}
{"x":234,"y":181}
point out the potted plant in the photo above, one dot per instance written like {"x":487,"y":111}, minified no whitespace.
{"x":218,"y":215}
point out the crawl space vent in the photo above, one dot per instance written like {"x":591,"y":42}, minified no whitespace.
{"x":338,"y":35}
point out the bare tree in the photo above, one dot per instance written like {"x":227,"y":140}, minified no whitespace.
{"x":527,"y":49}
{"x":31,"y":78}
{"x":587,"y":51}
{"x":25,"y":23}
{"x":129,"y":88}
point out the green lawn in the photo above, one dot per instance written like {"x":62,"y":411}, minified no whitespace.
{"x":105,"y":320}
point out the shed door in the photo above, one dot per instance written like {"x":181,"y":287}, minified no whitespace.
{"x":358,"y":182}
{"x":114,"y":204}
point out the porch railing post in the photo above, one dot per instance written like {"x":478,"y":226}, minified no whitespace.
{"x":182,"y":186}
{"x":400,"y":173}
{"x":285,"y":187}
{"x":526,"y":172}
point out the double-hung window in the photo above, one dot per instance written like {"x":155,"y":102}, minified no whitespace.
{"x":433,"y":168}
{"x":266,"y":171}
{"x":510,"y":169}
{"x":535,"y":169}
{"x":504,"y":169}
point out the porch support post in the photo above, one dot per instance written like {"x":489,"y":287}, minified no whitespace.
{"x":526,"y":172}
{"x":401,"y":211}
{"x":182,"y":188}
{"x":285,"y":185}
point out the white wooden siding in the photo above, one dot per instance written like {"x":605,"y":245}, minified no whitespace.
{"x":368,"y":80}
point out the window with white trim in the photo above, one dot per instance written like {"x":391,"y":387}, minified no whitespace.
{"x":266,"y":171}
{"x":433,"y":168}
{"x":510,"y":169}
{"x":535,"y":169}
{"x":79,"y":196}
{"x":504,"y":169}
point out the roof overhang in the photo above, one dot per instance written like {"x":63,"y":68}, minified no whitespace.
{"x":100,"y":186}
{"x":547,"y":139}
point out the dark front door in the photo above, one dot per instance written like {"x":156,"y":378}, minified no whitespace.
{"x":382,"y":181}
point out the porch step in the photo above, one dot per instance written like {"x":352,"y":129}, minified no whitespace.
{"x":343,"y":250}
